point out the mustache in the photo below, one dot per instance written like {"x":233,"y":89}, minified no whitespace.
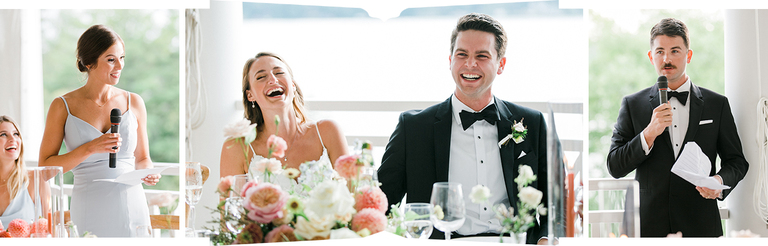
{"x":669,"y":65}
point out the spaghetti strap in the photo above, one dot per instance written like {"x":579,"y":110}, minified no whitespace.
{"x":129,"y":100}
{"x":65,"y":104}
{"x":318,"y":135}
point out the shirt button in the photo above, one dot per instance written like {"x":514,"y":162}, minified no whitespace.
{"x":675,"y":126}
{"x":674,"y":108}
{"x":481,"y":161}
{"x":485,"y":208}
{"x":478,"y":137}
{"x":677,"y":145}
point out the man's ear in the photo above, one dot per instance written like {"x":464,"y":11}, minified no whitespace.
{"x":502,"y":63}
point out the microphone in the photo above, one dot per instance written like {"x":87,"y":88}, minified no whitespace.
{"x":663,"y":86}
{"x":114,"y":117}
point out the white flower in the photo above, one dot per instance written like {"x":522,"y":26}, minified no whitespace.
{"x":271,"y":164}
{"x":531,"y":196}
{"x":241,"y":128}
{"x":343,"y":233}
{"x":518,"y":126}
{"x":479,"y":194}
{"x":316,"y":226}
{"x":332,"y":198}
{"x":524,"y":175}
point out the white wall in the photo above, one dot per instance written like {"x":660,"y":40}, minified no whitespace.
{"x":744,"y":87}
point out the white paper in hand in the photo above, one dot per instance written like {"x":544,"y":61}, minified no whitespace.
{"x":694,"y":166}
{"x":134,"y":177}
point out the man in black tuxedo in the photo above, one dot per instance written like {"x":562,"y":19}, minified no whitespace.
{"x":458,"y":140}
{"x":668,"y":203}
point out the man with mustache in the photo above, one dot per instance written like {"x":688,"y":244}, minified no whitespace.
{"x":669,"y":204}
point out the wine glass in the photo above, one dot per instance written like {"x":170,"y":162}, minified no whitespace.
{"x":233,"y":207}
{"x":194,"y":189}
{"x":448,"y":205}
{"x":417,"y":220}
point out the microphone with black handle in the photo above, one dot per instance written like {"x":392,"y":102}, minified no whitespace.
{"x":663,"y":87}
{"x":114,"y":117}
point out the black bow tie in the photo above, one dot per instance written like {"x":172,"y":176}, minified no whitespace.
{"x":488,"y":114}
{"x":682,"y":97}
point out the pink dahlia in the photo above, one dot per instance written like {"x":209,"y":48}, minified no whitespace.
{"x":277,"y":145}
{"x":372,"y":219}
{"x":265,"y":202}
{"x":347,"y":167}
{"x":283,"y":233}
{"x":370,"y":197}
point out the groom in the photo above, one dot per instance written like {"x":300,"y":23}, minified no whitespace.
{"x":457,"y":140}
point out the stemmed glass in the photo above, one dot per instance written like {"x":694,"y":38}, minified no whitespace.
{"x":417,"y":220}
{"x":194,"y":189}
{"x":448,"y":203}
{"x":234,"y":204}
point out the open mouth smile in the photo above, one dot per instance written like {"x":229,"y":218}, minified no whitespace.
{"x":276,"y":92}
{"x":470,"y":76}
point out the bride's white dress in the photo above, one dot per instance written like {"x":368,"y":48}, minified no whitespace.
{"x":105,"y":209}
{"x":283,"y":181}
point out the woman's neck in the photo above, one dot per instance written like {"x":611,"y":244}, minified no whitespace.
{"x":96,"y":91}
{"x":287,"y":128}
{"x":5,"y":172}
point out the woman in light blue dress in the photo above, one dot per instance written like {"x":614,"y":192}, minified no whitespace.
{"x":15,"y":194}
{"x":81,"y":119}
{"x":269,"y":89}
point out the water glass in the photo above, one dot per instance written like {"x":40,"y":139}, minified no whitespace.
{"x":417,"y":221}
{"x":448,"y":205}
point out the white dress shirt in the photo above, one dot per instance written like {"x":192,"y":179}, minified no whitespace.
{"x":680,"y":118}
{"x":475,"y":159}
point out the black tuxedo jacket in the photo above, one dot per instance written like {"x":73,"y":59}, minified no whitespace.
{"x":668,"y":203}
{"x":418,"y":151}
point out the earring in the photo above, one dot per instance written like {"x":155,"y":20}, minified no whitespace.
{"x":253,"y":104}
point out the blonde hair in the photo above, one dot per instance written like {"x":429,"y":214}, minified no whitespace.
{"x":254,"y":114}
{"x":18,"y":179}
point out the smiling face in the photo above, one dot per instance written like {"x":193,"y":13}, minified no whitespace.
{"x":10,"y":141}
{"x":475,"y":64}
{"x":271,"y":83}
{"x":670,"y":56}
{"x":109,"y":65}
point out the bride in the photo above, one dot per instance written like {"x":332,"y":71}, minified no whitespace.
{"x":269,"y":90}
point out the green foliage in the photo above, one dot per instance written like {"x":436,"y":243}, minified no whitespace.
{"x":619,"y":66}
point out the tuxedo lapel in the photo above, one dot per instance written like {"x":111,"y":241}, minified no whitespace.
{"x":442,"y":133}
{"x":507,"y":151}
{"x":695,"y":114}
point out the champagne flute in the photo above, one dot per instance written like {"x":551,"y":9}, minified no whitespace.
{"x":448,"y":203}
{"x":417,"y":220}
{"x":233,"y":207}
{"x":194,"y":189}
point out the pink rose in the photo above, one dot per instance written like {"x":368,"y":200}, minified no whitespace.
{"x":225,"y":185}
{"x":346,"y":166}
{"x":272,"y":165}
{"x":247,"y":186}
{"x":265,"y":202}
{"x":372,"y":219}
{"x":277,"y":145}
{"x":370,"y":197}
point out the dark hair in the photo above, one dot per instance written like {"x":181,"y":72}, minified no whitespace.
{"x":485,"y":23}
{"x":254,"y":114}
{"x":94,"y":42}
{"x":670,"y":27}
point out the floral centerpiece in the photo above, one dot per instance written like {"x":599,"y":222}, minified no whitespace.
{"x":528,"y":205}
{"x":321,"y":206}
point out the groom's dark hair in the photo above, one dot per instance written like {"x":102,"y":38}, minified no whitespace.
{"x":485,"y":23}
{"x":670,"y":27}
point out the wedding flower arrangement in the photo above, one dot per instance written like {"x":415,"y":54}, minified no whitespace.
{"x":519,"y":131}
{"x":320,"y":206}
{"x":528,"y":205}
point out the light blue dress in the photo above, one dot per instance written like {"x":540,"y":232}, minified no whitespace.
{"x":105,"y":209}
{"x":21,"y":207}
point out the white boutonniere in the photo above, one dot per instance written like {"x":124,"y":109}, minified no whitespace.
{"x":518,"y":133}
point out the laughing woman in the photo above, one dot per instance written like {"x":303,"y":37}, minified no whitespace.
{"x":81,"y":120}
{"x":268,"y":90}
{"x":15,"y":191}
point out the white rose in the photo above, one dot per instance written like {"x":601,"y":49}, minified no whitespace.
{"x":479,"y":194}
{"x":530,"y":196}
{"x":525,"y":174}
{"x":332,"y":198}
{"x":343,"y":233}
{"x":241,"y":128}
{"x":519,"y":126}
{"x":316,"y":226}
